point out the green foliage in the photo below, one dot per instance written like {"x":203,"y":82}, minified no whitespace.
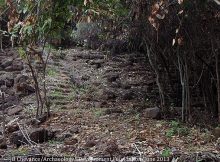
{"x":21,"y":53}
{"x":184,"y":131}
{"x":138,"y":117}
{"x":111,"y":8}
{"x":98,"y":112}
{"x":171,"y":132}
{"x":80,"y":89}
{"x":2,"y":3}
{"x":19,"y":152}
{"x":177,"y":129}
{"x":56,"y":94}
{"x":51,"y":72}
{"x":43,"y":19}
{"x":166,"y":152}
{"x":47,"y":20}
{"x":53,"y":142}
{"x":58,"y":54}
{"x":71,"y":96}
{"x":175,"y":124}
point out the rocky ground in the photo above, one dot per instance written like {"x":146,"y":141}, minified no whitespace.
{"x":103,"y":105}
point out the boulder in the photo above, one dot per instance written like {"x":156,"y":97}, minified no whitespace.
{"x":22,"y":85}
{"x":71,"y":141}
{"x":21,"y":78}
{"x":217,"y":132}
{"x":63,"y":136}
{"x":3,"y":144}
{"x":153,"y":113}
{"x":108,"y":95}
{"x":112,"y":147}
{"x":12,"y":128}
{"x":8,"y":102}
{"x":16,"y":66}
{"x":74,"y":130}
{"x":116,"y":84}
{"x":112,"y":77}
{"x":24,"y":89}
{"x":6,"y":62}
{"x":90,"y":143}
{"x":38,"y":135}
{"x":17,"y":139}
{"x":14,"y":110}
{"x":7,"y":79}
{"x":97,"y":63}
{"x":128,"y":95}
{"x":9,"y":82}
{"x":3,"y":88}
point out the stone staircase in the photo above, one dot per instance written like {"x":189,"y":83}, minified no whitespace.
{"x":92,"y":79}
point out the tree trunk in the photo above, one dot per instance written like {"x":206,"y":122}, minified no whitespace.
{"x":154,"y":65}
{"x":218,"y":83}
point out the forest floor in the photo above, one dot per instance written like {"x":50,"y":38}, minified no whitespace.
{"x":98,"y":110}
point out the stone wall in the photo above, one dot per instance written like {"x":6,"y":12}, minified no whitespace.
{"x":14,"y":81}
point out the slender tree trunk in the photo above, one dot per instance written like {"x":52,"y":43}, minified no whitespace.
{"x":47,"y":103}
{"x":180,"y":67}
{"x":218,"y":83}
{"x":187,"y":88}
{"x":184,"y":79}
{"x":152,"y":60}
{"x":37,"y":89}
{"x":37,"y":100}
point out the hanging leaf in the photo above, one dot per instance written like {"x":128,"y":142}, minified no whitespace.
{"x":180,"y":41}
{"x":180,"y":1}
{"x":25,"y":9}
{"x":160,"y":16}
{"x":155,"y":8}
{"x":174,"y":41}
{"x":85,"y":2}
{"x":88,"y":19}
{"x":166,"y":11}
{"x":151,"y":20}
{"x":177,"y":31}
{"x":180,"y":12}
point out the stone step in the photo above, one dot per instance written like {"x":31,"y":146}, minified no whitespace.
{"x":63,"y":85}
{"x":58,"y":97}
{"x":60,"y":85}
{"x":61,"y":90}
{"x":61,"y":102}
{"x":87,"y":56}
